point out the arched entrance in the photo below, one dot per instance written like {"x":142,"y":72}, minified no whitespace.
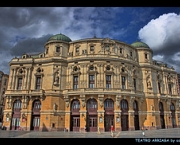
{"x":161,"y":109}
{"x":172,"y":109}
{"x":16,"y":115}
{"x":35,"y":121}
{"x":124,"y":115}
{"x":109,"y":114}
{"x":91,"y":121}
{"x":136,"y":115}
{"x":75,"y":115}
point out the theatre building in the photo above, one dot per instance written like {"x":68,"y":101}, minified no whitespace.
{"x":93,"y":83}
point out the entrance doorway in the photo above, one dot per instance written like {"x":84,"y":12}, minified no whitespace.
{"x":75,"y":115}
{"x":124,"y":122}
{"x":124,"y":115}
{"x":136,"y":115}
{"x":15,"y":123}
{"x":172,"y":108}
{"x":161,"y":109}
{"x":92,"y":124}
{"x":75,"y":123}
{"x":91,"y":121}
{"x":35,"y":121}
{"x":108,"y":121}
{"x":109,"y":114}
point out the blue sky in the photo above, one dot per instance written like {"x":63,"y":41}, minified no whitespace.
{"x":26,"y":29}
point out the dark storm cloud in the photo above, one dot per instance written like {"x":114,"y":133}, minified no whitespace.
{"x":5,"y":66}
{"x":30,"y":45}
{"x":19,"y":17}
{"x":26,"y":29}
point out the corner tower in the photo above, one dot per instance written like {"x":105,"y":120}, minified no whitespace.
{"x":144,"y":52}
{"x":57,"y":45}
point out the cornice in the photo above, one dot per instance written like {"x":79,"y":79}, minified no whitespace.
{"x":35,"y":61}
{"x":157,"y":68}
{"x":78,"y":59}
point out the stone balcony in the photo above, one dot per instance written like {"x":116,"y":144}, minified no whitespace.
{"x":39,"y":92}
{"x":112,"y":91}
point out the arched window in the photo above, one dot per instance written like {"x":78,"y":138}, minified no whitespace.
{"x":37,"y":105}
{"x":75,"y":105}
{"x":92,"y":104}
{"x":135,"y":105}
{"x":17,"y":104}
{"x":172,"y":108}
{"x":160,"y":106}
{"x":108,"y":103}
{"x":124,"y":104}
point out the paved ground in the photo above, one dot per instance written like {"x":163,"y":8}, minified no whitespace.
{"x":160,"y":133}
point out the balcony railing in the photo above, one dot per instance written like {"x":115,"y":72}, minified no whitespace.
{"x":17,"y":109}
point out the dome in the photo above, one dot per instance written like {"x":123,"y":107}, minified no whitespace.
{"x":138,"y":44}
{"x":61,"y":37}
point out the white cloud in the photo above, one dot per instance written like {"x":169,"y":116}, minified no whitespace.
{"x":161,"y":30}
{"x":158,"y":57}
{"x":176,"y":57}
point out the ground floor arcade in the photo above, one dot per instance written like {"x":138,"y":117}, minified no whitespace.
{"x":90,"y":114}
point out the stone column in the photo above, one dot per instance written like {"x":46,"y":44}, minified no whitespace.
{"x":29,"y":78}
{"x":67,"y":113}
{"x":131,"y":119}
{"x":117,"y":120}
{"x":131,"y":114}
{"x":83,"y":113}
{"x":13,"y":79}
{"x":142,"y":114}
{"x":100,"y":113}
{"x":26,"y":77}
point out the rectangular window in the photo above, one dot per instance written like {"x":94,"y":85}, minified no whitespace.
{"x":131,"y":53}
{"x":108,"y":81}
{"x":5,"y":81}
{"x":75,"y":82}
{"x":38,"y":83}
{"x":47,"y":51}
{"x":91,"y":48}
{"x":146,"y":57}
{"x":123,"y":80}
{"x":91,"y":81}
{"x":107,"y":47}
{"x":159,"y":87}
{"x":170,"y":90}
{"x":120,"y":50}
{"x":77,"y":49}
{"x":58,"y":49}
{"x":134,"y":80}
{"x":19,"y":85}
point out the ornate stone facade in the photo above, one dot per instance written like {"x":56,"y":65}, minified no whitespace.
{"x":3,"y":86}
{"x":91,"y":84}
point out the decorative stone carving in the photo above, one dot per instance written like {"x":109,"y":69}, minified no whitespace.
{"x":100,"y":98}
{"x":131,"y":102}
{"x":83,"y":103}
{"x":67,"y":104}
{"x":56,"y":78}
{"x":54,"y":106}
{"x":9,"y":102}
{"x":118,"y":101}
{"x":148,"y":84}
{"x":25,"y":102}
{"x":141,"y":100}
